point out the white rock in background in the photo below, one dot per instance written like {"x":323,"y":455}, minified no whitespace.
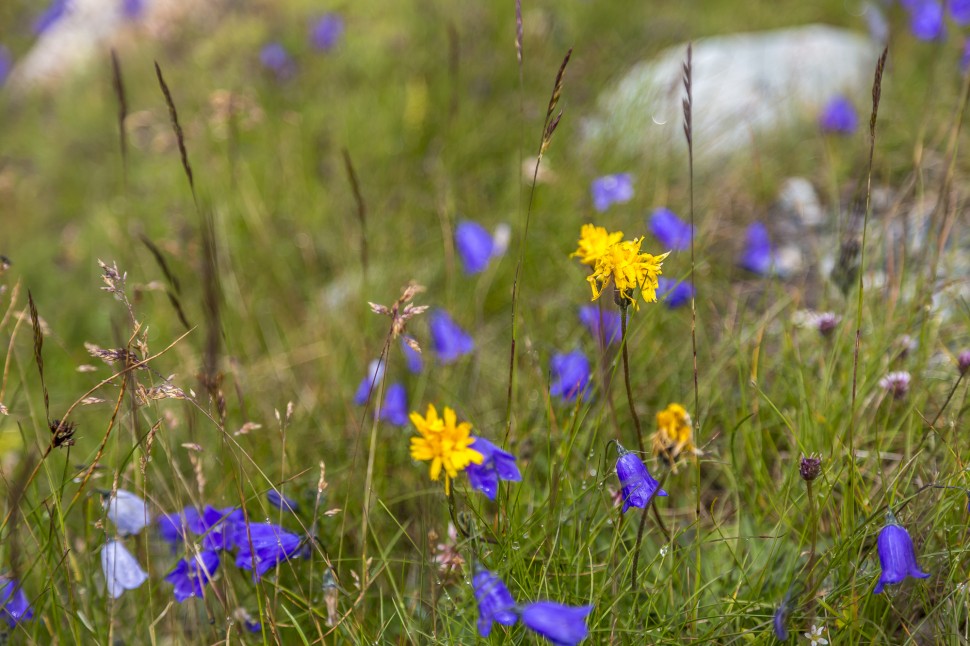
{"x":89,"y":29}
{"x":745,"y":86}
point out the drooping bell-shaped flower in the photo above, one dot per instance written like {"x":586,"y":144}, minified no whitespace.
{"x":497,"y":464}
{"x":896,"y":555}
{"x":448,"y":340}
{"x":637,"y":483}
{"x":570,"y":375}
{"x":475,"y":246}
{"x":756,"y":255}
{"x":121,"y":569}
{"x":495,"y":602}
{"x":672,"y":232}
{"x":127,"y":511}
{"x":562,"y":625}
{"x":395,"y":408}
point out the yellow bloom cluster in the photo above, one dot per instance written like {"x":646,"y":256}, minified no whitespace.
{"x":674,"y":436}
{"x":445,"y":443}
{"x":620,"y":263}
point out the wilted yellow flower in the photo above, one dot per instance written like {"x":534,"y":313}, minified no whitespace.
{"x":627,"y":269}
{"x":594,"y":242}
{"x":674,"y":436}
{"x":445,"y":443}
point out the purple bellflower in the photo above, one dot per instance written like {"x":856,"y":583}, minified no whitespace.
{"x":475,"y":246}
{"x":672,"y":232}
{"x":375,"y":372}
{"x":270,"y":545}
{"x":449,"y":341}
{"x":562,"y":625}
{"x":756,"y":256}
{"x":132,"y":9}
{"x":280,"y":501}
{"x":121,"y":569}
{"x":611,"y":189}
{"x":276,"y":59}
{"x":189,"y":576}
{"x":926,"y":20}
{"x":325,"y":32}
{"x":896,"y":555}
{"x":838,"y":116}
{"x":495,"y":602}
{"x":960,"y":11}
{"x":570,"y":375}
{"x":173,"y":527}
{"x":498,"y":464}
{"x":596,"y":319}
{"x":637,"y":483}
{"x":674,"y":293}
{"x":395,"y":408}
{"x":14,"y":606}
{"x":127,"y":511}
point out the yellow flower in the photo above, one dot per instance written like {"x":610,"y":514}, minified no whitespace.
{"x":594,"y":242}
{"x":674,"y":436}
{"x":627,"y":269}
{"x":445,"y":443}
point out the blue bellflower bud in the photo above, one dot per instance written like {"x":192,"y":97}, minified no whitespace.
{"x":280,"y":501}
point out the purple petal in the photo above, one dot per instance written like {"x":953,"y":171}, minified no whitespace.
{"x":475,"y":246}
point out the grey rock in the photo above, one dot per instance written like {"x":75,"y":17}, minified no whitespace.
{"x":745,"y":86}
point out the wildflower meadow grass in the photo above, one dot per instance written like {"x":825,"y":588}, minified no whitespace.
{"x":324,"y":324}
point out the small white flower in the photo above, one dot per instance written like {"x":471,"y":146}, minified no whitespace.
{"x":816,"y":636}
{"x":121,"y":569}
{"x":128,"y":512}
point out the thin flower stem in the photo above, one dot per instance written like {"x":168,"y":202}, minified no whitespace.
{"x":626,"y":379}
{"x":643,"y":522}
{"x":813,"y":528}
